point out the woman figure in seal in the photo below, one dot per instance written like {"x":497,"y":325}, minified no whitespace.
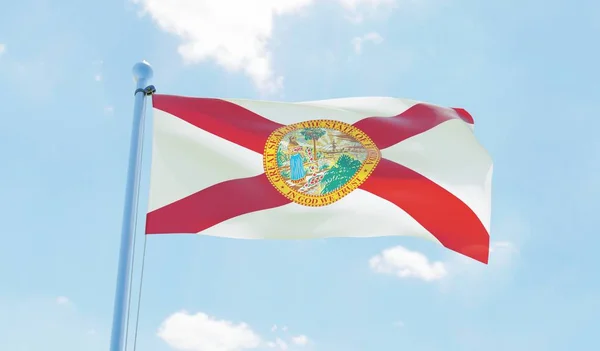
{"x":297,"y":173}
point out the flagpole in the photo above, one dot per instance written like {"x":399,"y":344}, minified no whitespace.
{"x":142,"y":73}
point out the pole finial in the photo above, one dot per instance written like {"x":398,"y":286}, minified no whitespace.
{"x":142,"y":71}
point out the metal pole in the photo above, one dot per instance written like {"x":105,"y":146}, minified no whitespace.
{"x":142,"y":73}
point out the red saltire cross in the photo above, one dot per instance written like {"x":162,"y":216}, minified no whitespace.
{"x":445,"y":216}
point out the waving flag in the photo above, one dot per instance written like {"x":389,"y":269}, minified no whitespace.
{"x":356,"y":167}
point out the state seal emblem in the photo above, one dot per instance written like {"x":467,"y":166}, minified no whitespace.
{"x":316,"y":163}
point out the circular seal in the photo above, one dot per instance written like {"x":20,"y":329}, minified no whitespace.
{"x":316,"y":163}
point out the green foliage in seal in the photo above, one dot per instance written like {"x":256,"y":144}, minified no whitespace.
{"x":282,"y":158}
{"x":312,"y":133}
{"x":342,"y":171}
{"x":285,"y":174}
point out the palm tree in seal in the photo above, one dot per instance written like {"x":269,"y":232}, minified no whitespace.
{"x":313,"y":134}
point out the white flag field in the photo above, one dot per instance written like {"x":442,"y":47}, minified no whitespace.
{"x":354,"y":167}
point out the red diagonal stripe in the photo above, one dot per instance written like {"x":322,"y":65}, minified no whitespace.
{"x":440,"y":212}
{"x":214,"y":205}
{"x":464,"y":115}
{"x":388,"y":131}
{"x":445,"y":216}
{"x":221,"y":118}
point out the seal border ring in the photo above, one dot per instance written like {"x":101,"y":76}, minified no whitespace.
{"x":368,"y":166}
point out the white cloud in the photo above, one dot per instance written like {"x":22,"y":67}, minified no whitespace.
{"x":233,"y":33}
{"x":399,"y":324}
{"x":62,"y":300}
{"x":355,"y":4}
{"x":282,"y":345}
{"x":300,"y":340}
{"x":278,"y":344}
{"x":357,"y":8}
{"x":372,"y":37}
{"x":2,"y":49}
{"x":200,"y":332}
{"x":502,"y":245}
{"x":473,"y":282}
{"x":236,"y":34}
{"x":404,"y":263}
{"x":284,"y":328}
{"x":109,"y":110}
{"x":98,"y":67}
{"x":502,"y":253}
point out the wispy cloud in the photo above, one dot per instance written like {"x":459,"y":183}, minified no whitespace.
{"x":300,"y":340}
{"x":403,"y":263}
{"x":98,"y":66}
{"x":2,"y":49}
{"x":62,"y":300}
{"x":278,"y":344}
{"x":503,"y":245}
{"x":399,"y":324}
{"x":475,"y":283}
{"x":357,"y":10}
{"x":355,"y":4}
{"x":372,"y":37}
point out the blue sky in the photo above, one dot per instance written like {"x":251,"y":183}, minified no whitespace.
{"x":527,"y":70}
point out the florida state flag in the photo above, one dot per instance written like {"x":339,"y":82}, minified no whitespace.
{"x":356,"y":167}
